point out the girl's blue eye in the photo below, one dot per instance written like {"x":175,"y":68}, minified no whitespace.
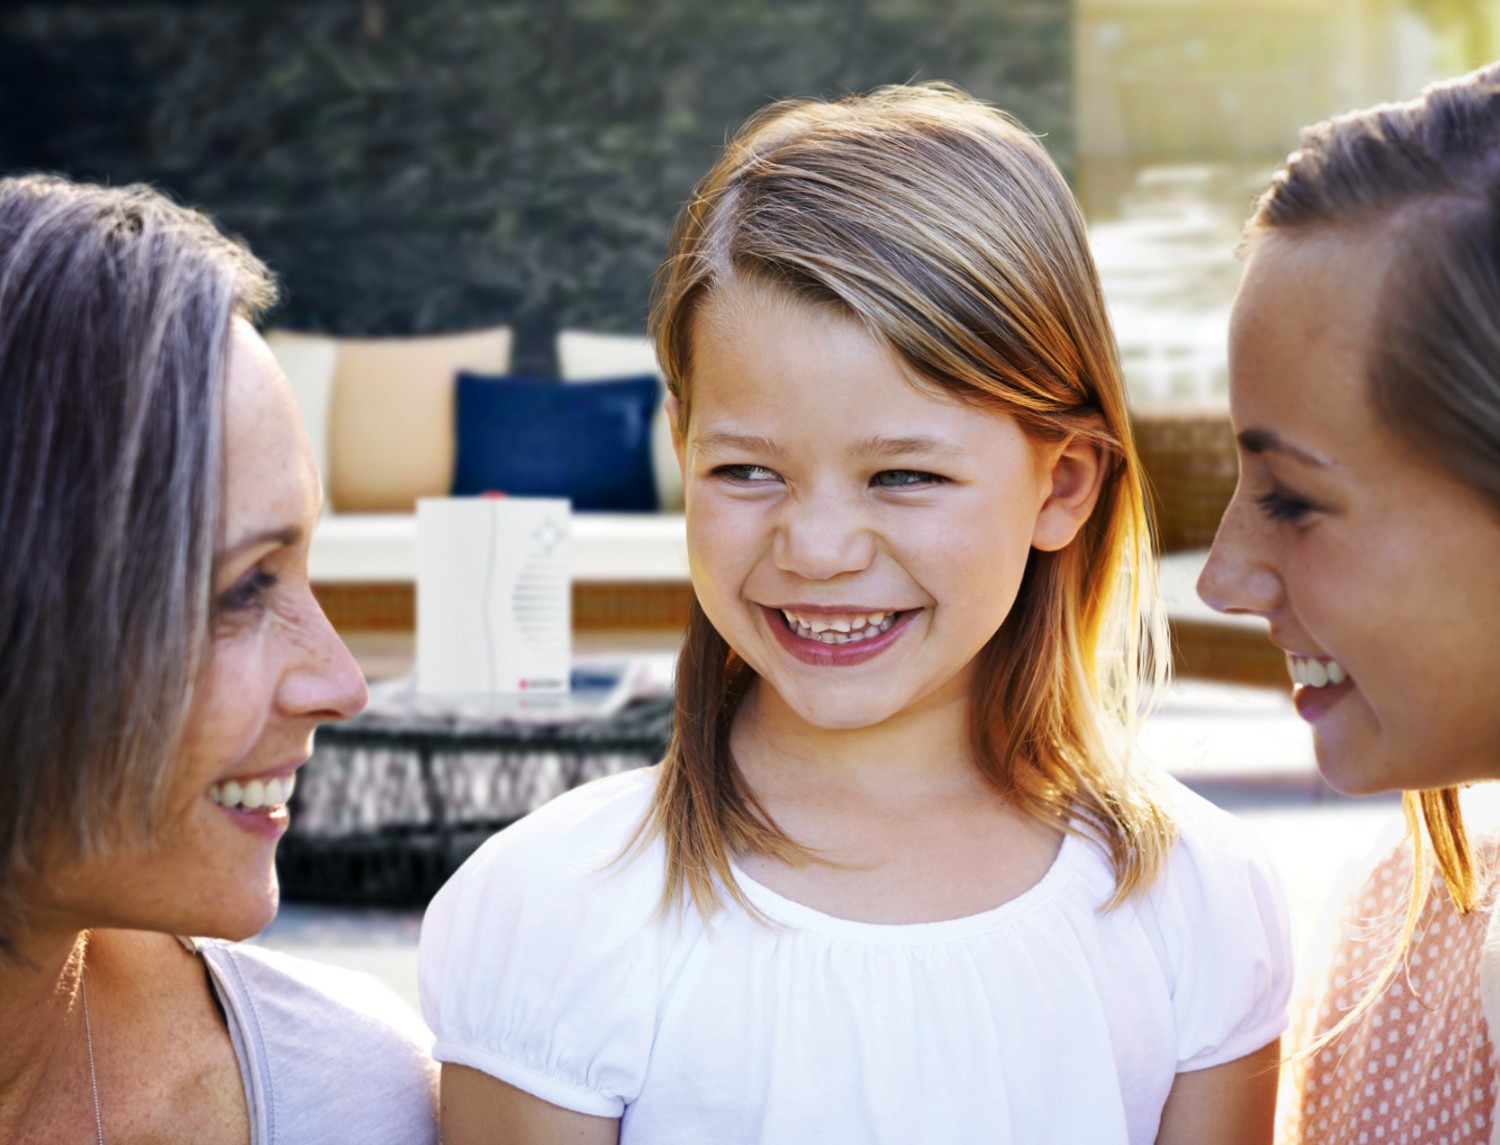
{"x":248,"y":593}
{"x":904,"y":479}
{"x":745,"y":474}
{"x":1280,"y":507}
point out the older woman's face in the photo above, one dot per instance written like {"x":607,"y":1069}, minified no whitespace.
{"x":275,"y":670}
{"x":1378,"y":572}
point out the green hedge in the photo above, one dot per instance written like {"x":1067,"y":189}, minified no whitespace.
{"x":422,"y":166}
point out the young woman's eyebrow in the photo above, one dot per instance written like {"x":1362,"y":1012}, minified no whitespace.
{"x":1269,"y":441}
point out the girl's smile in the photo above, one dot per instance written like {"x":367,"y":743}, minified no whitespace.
{"x":840,"y":636}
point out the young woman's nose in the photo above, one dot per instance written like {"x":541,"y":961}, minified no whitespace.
{"x":322,"y":680}
{"x":822,"y":537}
{"x":1240,"y":575}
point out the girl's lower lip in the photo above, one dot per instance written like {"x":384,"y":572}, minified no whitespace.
{"x":1313,"y":703}
{"x":265,"y":824}
{"x":835,"y":655}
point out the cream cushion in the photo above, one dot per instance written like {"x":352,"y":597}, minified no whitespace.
{"x":583,"y":356}
{"x":392,"y":436}
{"x":309,"y":362}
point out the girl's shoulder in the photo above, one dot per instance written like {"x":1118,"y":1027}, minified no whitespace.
{"x":595,"y":820}
{"x":578,"y":857}
{"x":541,"y":959}
{"x":1215,"y":853}
{"x":1217,"y":923}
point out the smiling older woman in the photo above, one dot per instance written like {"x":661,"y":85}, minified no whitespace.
{"x":164,"y":667}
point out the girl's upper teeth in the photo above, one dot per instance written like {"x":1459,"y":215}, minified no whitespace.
{"x":839,"y":628}
{"x":253,"y":794}
{"x":1315,"y":673}
{"x":842,"y":622}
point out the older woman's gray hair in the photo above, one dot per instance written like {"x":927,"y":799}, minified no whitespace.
{"x":115,"y":312}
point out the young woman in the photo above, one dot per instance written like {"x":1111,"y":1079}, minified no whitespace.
{"x":897,"y":879}
{"x":1365,"y":390}
{"x":162,"y":667}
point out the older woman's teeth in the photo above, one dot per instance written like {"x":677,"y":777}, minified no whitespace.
{"x":253,"y":794}
{"x":842,"y":629}
{"x":1314,"y":673}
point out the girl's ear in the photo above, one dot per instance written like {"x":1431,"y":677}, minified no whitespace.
{"x":678,"y":447}
{"x":1074,"y":470}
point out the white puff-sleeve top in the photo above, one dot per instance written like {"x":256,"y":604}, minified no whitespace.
{"x":545,"y":963}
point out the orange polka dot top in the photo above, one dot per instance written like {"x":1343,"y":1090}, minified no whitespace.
{"x":1419,"y":1067}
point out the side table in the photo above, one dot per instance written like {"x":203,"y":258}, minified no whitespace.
{"x":395,"y":799}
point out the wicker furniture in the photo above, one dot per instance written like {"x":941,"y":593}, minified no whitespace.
{"x":393,"y":800}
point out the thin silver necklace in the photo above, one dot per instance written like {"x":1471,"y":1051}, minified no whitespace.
{"x":88,"y":1034}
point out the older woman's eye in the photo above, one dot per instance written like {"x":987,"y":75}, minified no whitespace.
{"x":248,"y":593}
{"x":905,"y":479}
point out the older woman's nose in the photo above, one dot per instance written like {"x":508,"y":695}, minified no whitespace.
{"x":325,"y":682}
{"x":1240,"y":576}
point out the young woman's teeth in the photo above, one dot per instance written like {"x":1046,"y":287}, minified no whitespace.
{"x":1315,"y":673}
{"x":253,"y":794}
{"x":840,"y":629}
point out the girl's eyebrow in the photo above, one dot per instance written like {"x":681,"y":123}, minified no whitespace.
{"x":928,"y":447}
{"x":1269,"y":441}
{"x":723,"y":439}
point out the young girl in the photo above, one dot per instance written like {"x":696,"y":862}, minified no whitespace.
{"x":1365,"y":387}
{"x":896,"y":880}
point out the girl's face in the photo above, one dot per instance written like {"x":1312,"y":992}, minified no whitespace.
{"x":854,"y":536}
{"x":275,"y":670}
{"x":1379,"y":574}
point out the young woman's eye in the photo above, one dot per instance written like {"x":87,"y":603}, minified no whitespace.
{"x":1280,"y":507}
{"x":905,"y":479}
{"x":248,"y":593}
{"x":745,"y":474}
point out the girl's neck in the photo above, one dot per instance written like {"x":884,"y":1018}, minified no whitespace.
{"x":924,"y":748}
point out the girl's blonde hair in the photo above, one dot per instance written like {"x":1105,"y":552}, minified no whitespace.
{"x":942,"y":226}
{"x":1424,"y":176}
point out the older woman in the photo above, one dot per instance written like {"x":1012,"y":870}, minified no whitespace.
{"x":1365,"y":392}
{"x":164,"y":667}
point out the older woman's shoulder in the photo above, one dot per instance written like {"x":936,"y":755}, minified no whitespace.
{"x":327,"y":1054}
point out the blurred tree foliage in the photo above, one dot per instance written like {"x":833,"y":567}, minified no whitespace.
{"x":1474,"y":25}
{"x":411,"y":166}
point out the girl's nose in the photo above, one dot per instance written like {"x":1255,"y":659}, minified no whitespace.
{"x":819,"y":538}
{"x":1240,"y":575}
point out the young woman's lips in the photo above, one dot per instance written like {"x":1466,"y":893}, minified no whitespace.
{"x":836,"y":655}
{"x":1313,"y":703}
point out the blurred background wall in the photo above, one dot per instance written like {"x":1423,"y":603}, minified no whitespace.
{"x":411,"y":166}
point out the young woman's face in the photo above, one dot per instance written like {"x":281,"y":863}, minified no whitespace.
{"x":275,"y":670}
{"x":855,"y":538}
{"x":1379,"y":574}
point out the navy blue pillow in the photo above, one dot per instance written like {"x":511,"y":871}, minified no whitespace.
{"x":535,"y":437}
